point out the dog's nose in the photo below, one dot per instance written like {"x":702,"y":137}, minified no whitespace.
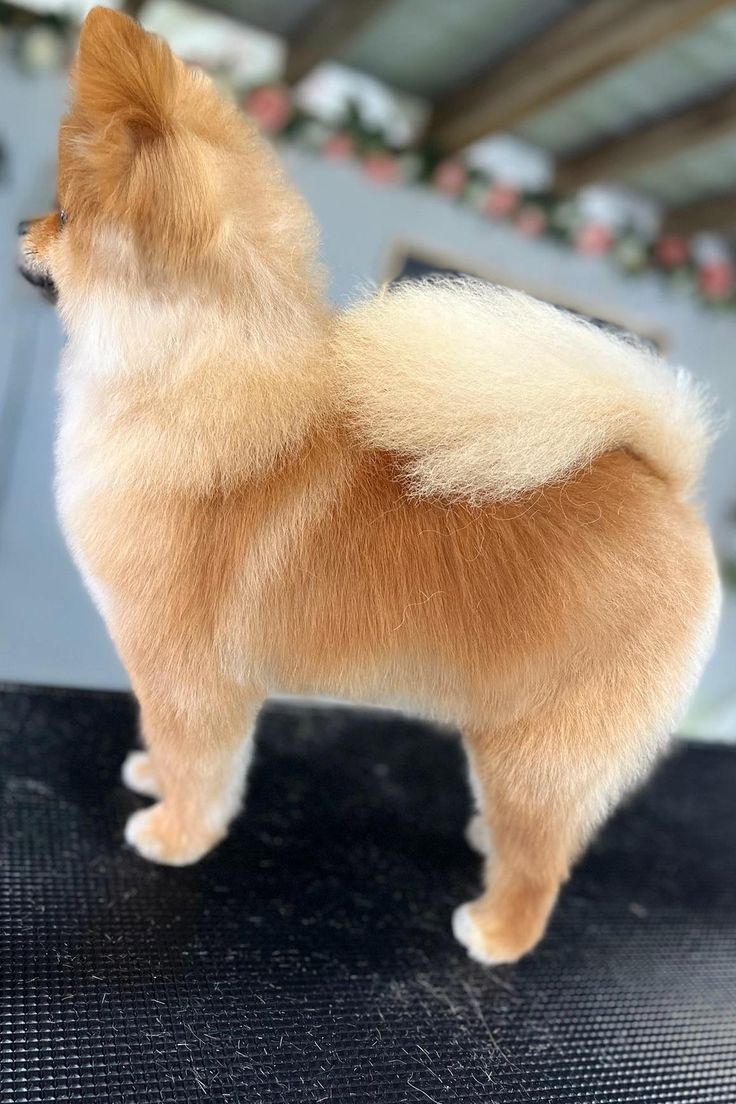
{"x":23,"y":228}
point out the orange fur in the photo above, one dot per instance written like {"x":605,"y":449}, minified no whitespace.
{"x":243,"y":537}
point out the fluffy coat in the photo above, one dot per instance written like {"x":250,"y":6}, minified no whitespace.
{"x":450,"y":498}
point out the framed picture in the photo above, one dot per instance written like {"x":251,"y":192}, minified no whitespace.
{"x":407,"y":261}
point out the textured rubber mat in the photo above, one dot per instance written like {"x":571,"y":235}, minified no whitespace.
{"x":309,"y":959}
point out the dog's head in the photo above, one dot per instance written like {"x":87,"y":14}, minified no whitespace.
{"x":162,"y":186}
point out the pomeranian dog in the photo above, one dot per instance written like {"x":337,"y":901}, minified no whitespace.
{"x":450,"y":498}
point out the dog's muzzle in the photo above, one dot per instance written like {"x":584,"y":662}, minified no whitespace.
{"x":44,"y":283}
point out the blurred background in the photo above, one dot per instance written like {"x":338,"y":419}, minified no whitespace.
{"x":581,"y":150}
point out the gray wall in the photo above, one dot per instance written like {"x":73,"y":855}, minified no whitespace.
{"x":49,"y":631}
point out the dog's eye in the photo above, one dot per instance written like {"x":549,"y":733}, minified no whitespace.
{"x":62,"y":216}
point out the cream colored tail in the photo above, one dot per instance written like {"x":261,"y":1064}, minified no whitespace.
{"x":490,"y":393}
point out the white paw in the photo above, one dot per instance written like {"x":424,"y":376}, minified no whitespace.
{"x":477,"y":835}
{"x":139,"y":775}
{"x":162,"y":838}
{"x":479,"y":947}
{"x":139,"y":836}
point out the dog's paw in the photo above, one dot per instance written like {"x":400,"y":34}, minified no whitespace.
{"x":484,"y":942}
{"x":162,"y":836}
{"x":139,"y":774}
{"x":477,"y":835}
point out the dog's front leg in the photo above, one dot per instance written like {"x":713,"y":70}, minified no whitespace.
{"x":199,"y":748}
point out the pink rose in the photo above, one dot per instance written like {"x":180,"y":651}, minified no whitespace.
{"x":270,"y":106}
{"x":531,"y":221}
{"x":450,"y":177}
{"x":594,"y":239}
{"x":339,"y":147}
{"x":717,"y":280}
{"x":501,"y":200}
{"x":671,"y":251}
{"x":382,"y":168}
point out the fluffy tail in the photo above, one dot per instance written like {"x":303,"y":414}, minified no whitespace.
{"x":489,"y":393}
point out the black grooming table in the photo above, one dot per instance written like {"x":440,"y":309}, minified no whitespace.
{"x":310,"y":958}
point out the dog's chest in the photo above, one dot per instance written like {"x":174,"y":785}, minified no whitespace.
{"x":84,"y":473}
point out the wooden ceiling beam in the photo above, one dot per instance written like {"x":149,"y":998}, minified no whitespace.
{"x":133,"y":8}
{"x":716,"y":214}
{"x":324,"y":32}
{"x":582,"y":46}
{"x":653,"y":143}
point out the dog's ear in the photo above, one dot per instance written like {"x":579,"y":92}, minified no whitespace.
{"x":124,"y":76}
{"x":127,"y":150}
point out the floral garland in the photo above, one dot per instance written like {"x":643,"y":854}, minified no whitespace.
{"x":46,"y":42}
{"x":39,"y":42}
{"x":534,"y":214}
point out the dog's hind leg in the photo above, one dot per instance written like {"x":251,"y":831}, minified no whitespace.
{"x":544,"y":783}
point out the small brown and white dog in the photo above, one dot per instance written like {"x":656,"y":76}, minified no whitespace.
{"x":451,"y":498}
